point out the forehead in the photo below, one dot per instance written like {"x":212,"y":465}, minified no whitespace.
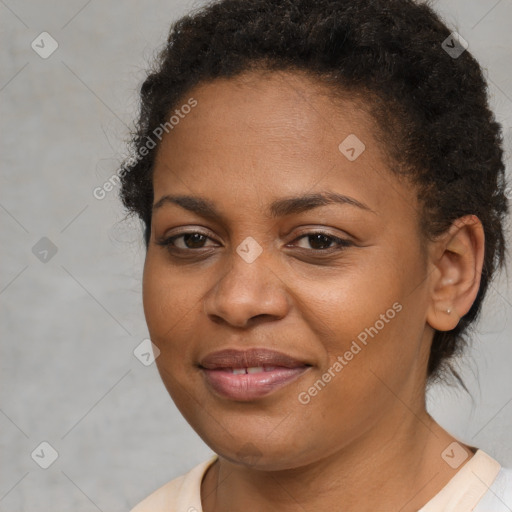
{"x":273,"y":107}
{"x":274,"y":134}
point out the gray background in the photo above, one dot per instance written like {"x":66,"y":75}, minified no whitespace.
{"x":69,"y":325}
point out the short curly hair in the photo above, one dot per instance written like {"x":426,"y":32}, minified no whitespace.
{"x":431,"y":106}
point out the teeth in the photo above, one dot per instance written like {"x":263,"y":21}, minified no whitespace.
{"x":255,"y":369}
{"x":252,"y":369}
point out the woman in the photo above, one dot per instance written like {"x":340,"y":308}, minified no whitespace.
{"x":322,"y":189}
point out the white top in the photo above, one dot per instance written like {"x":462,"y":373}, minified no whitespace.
{"x":480,"y":485}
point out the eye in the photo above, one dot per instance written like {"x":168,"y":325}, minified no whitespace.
{"x":194,"y":240}
{"x":191,"y":240}
{"x":319,"y":241}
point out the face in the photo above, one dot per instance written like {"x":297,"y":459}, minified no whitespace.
{"x":298,"y":258}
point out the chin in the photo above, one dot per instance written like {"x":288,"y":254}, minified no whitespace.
{"x":262,"y":455}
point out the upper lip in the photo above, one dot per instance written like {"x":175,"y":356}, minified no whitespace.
{"x":255,"y":357}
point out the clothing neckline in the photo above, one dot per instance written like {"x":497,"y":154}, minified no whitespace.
{"x":467,"y":487}
{"x":462,"y":492}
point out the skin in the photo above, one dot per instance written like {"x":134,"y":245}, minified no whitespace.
{"x":365,"y":440}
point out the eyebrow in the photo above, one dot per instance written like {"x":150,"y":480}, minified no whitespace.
{"x":279,"y":208}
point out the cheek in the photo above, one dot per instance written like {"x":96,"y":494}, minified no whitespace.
{"x":171,"y":305}
{"x":341,"y":306}
{"x":168,"y":298}
{"x":369,"y":331}
{"x":366,"y":370}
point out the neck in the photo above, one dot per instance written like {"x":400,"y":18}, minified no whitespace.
{"x":396,"y":465}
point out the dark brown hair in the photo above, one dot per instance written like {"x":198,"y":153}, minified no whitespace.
{"x":431,"y":106}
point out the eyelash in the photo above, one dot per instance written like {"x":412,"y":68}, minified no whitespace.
{"x":341,"y":243}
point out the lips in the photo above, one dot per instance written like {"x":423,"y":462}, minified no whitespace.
{"x":249,"y":374}
{"x":252,"y":358}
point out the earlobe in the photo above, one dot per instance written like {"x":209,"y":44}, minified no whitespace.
{"x":457,"y":271}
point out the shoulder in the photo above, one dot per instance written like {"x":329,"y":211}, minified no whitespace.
{"x":182,"y":493}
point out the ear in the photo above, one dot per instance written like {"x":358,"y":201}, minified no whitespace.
{"x":457,"y":258}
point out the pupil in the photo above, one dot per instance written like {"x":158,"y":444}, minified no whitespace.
{"x":313,"y":239}
{"x":196,"y":238}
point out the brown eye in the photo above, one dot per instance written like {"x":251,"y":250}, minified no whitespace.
{"x":192,"y":240}
{"x":319,"y":241}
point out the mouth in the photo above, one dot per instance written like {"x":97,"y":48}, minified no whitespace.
{"x":250,"y":374}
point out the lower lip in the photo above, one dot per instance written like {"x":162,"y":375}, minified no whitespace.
{"x":250,"y":386}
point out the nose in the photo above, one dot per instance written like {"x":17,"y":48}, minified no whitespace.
{"x":247,"y":293}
